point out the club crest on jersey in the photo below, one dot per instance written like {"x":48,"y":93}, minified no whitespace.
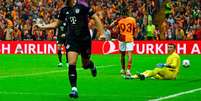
{"x":67,"y":13}
{"x":77,"y":10}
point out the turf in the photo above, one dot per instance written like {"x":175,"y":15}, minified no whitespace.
{"x":37,"y":78}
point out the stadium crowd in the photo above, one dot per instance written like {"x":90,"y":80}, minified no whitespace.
{"x":182,"y":20}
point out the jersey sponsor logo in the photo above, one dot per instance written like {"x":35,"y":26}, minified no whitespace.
{"x":109,"y":47}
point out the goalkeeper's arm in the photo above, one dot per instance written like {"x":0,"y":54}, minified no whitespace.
{"x":167,"y":65}
{"x":164,"y":65}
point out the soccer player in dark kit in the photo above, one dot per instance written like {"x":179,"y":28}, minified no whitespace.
{"x":61,"y":40}
{"x":78,"y":39}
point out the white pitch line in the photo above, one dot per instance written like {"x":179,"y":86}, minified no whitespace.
{"x":176,"y":95}
{"x":29,"y":93}
{"x":49,"y":72}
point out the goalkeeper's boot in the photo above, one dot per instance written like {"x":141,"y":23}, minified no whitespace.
{"x":60,"y":64}
{"x":94,"y":71}
{"x":141,"y":76}
{"x":73,"y":94}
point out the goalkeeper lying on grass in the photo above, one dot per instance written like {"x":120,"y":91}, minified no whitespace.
{"x":167,"y":71}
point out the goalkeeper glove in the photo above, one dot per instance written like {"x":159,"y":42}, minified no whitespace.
{"x":161,"y":65}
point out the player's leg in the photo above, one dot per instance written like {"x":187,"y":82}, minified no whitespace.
{"x":129,"y":48}
{"x":72,"y":73}
{"x":66,"y":56}
{"x":129,"y":63}
{"x":59,"y":54}
{"x":147,"y":73}
{"x":122,"y":46}
{"x":72,"y":47}
{"x":123,"y":63}
{"x":85,"y":56}
{"x":167,"y":74}
{"x":159,"y":77}
{"x":65,"y":45}
{"x":151,"y":73}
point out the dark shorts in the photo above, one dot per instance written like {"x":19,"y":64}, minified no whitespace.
{"x":81,"y":47}
{"x":61,"y":40}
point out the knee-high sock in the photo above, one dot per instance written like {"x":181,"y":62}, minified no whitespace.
{"x":72,"y":74}
{"x":59,"y":55}
{"x":123,"y":60}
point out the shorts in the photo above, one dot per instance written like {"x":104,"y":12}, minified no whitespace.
{"x":81,"y":47}
{"x":61,"y":40}
{"x":126,"y":46}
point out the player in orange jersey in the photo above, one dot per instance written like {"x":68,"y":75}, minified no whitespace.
{"x":126,"y":29}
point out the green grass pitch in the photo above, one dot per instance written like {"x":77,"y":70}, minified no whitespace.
{"x":37,"y":78}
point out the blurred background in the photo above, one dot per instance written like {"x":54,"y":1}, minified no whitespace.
{"x":172,"y":19}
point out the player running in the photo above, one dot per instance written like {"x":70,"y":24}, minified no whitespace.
{"x":61,"y":40}
{"x":78,"y":39}
{"x":126,"y":26}
{"x":167,"y":71}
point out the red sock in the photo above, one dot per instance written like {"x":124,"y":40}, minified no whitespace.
{"x":129,"y":66}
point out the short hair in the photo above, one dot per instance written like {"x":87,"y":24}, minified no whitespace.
{"x":172,"y":45}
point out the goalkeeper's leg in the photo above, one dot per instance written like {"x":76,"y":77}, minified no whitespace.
{"x":147,"y":73}
{"x":151,"y":73}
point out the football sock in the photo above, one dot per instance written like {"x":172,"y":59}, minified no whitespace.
{"x":59,"y":55}
{"x":72,"y":75}
{"x":123,"y":61}
{"x":129,"y":65}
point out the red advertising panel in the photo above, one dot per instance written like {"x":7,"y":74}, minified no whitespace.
{"x":28,"y":47}
{"x":100,"y":47}
{"x":148,"y":47}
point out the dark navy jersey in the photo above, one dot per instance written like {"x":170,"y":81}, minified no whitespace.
{"x":77,"y":18}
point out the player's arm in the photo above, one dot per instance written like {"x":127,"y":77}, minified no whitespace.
{"x":52,"y":25}
{"x":114,"y":23}
{"x":173,"y":64}
{"x":134,"y":29}
{"x":99,"y":25}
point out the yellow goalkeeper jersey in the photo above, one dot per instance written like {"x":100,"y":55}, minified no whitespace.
{"x":174,"y":61}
